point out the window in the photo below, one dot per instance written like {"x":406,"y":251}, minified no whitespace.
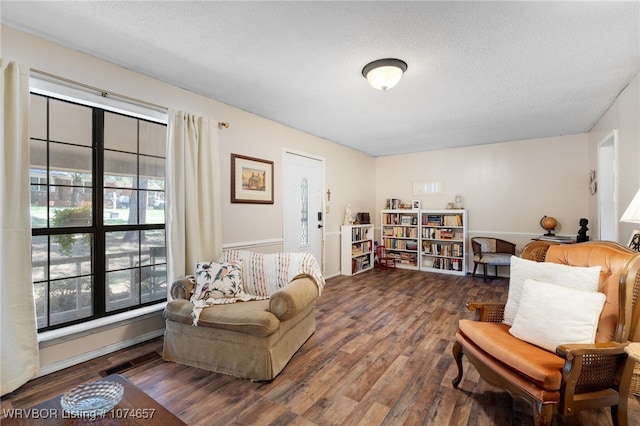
{"x":97,"y":211}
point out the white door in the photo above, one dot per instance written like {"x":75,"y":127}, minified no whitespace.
{"x":606,"y":189}
{"x":302,"y":216}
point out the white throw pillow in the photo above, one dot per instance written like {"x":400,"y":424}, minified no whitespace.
{"x":551,"y":315}
{"x":583,"y":278}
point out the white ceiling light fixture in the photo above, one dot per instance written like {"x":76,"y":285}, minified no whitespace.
{"x":383,"y":74}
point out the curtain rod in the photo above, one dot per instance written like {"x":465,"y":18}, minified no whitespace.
{"x":105,"y":93}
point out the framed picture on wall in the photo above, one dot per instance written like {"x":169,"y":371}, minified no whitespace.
{"x":251,"y":180}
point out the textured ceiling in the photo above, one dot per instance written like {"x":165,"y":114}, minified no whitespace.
{"x":479,"y":72}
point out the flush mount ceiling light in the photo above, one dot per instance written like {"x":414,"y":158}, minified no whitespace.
{"x":383,"y":74}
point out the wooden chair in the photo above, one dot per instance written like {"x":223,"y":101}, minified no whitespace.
{"x":383,"y":261}
{"x":491,"y":251}
{"x":588,"y":375}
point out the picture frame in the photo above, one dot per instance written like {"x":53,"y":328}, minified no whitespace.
{"x":251,"y":180}
{"x":415,"y":205}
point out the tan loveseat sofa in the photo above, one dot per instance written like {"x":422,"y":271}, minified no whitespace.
{"x":575,"y":376}
{"x":252,"y":340}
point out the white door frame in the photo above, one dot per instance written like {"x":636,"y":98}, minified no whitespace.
{"x":286,"y":151}
{"x":608,"y":186}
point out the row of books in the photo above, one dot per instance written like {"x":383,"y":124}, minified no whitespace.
{"x":400,"y":232}
{"x":393,"y":244}
{"x":451,"y":250}
{"x":359,"y":234}
{"x":441,"y":234}
{"x":447,"y":264}
{"x":358,"y":249}
{"x":399,"y":219}
{"x":404,"y":258}
{"x":442,"y":220}
{"x":359,"y":263}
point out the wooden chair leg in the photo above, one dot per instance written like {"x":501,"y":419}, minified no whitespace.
{"x":475,"y":266}
{"x":484,"y":267}
{"x":457,"y":356}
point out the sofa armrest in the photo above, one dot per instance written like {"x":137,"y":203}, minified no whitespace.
{"x":487,"y":311}
{"x":182,"y":288}
{"x":289,"y":301}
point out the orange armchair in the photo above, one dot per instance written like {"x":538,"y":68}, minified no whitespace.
{"x":577,"y":376}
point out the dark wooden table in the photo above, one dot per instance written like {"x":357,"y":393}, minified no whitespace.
{"x":135,"y":408}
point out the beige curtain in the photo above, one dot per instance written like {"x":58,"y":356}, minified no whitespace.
{"x":19,"y":351}
{"x":194,"y":223}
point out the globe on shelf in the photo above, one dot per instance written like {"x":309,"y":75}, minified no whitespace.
{"x":548,"y":223}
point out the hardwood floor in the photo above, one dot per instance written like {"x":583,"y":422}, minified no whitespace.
{"x":381,"y":355}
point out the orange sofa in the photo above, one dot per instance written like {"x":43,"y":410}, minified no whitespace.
{"x":576,"y":376}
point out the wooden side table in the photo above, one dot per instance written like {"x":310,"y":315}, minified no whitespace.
{"x":135,"y":408}
{"x":633,"y":357}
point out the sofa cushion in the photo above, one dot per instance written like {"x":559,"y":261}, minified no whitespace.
{"x":494,"y":258}
{"x":611,"y":262}
{"x":585,"y":278}
{"x":245,"y":317}
{"x":551,"y":315}
{"x":540,"y":365}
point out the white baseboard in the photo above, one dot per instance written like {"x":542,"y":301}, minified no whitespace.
{"x":60,"y":365}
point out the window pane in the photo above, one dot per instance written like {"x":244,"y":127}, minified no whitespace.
{"x":38,"y":117}
{"x":38,"y":155}
{"x":122,"y":289}
{"x":70,"y":123}
{"x":70,"y":164}
{"x":40,"y":298}
{"x":153,"y":247}
{"x":154,"y":283}
{"x":70,"y":299}
{"x":153,"y":168}
{"x":70,"y":255}
{"x":38,"y":208}
{"x":39,"y":263}
{"x":122,"y":250}
{"x":120,"y":132}
{"x":154,"y":213}
{"x":153,"y":139}
{"x":124,"y":211}
{"x":68,"y":216}
{"x":118,"y":165}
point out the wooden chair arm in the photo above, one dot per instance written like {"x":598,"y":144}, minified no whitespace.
{"x":590,"y":367}
{"x":503,"y":246}
{"x":487,"y":311}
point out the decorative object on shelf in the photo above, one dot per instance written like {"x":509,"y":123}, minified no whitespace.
{"x":383,"y":74}
{"x":251,"y":180}
{"x":548,"y":223}
{"x":415,"y":205}
{"x":348,"y":217}
{"x":582,"y":232}
{"x":632,"y":215}
{"x":458,"y":202}
{"x":363,"y":218}
{"x":395,"y":203}
{"x":593,"y":183}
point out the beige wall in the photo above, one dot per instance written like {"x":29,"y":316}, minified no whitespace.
{"x":348,"y":173}
{"x":623,"y":115}
{"x":506,"y":187}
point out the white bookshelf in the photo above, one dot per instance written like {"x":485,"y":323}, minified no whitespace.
{"x":399,"y":234}
{"x":356,"y":249}
{"x":443,"y":235}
